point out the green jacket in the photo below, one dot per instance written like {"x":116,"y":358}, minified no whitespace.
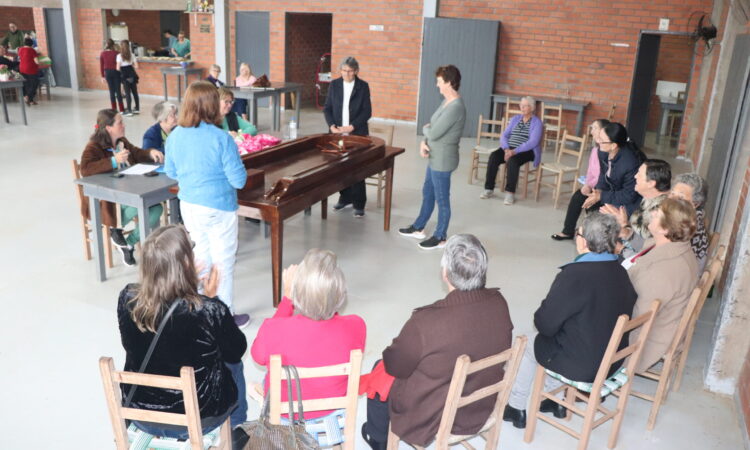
{"x":443,"y":134}
{"x":245,"y":127}
{"x":13,"y":40}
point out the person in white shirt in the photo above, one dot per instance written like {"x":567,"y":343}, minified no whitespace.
{"x":347,"y":111}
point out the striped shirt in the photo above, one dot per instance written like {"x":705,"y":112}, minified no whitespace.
{"x":519,"y":134}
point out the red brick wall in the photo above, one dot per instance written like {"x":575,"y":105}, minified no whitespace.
{"x":202,"y":44}
{"x":308,"y":37}
{"x":90,"y":45}
{"x":41,"y":30}
{"x":675,"y":57}
{"x":143,"y":26}
{"x":23,"y":17}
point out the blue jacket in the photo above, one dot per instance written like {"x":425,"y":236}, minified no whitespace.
{"x":618,"y":188}
{"x":205,"y":162}
{"x":152,"y":138}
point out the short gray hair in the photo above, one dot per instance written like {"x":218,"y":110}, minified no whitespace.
{"x":600,"y":231}
{"x":698,"y":184}
{"x":319,"y":287}
{"x":162,"y":110}
{"x":216,"y":67}
{"x":465,"y":262}
{"x":530,"y":100}
{"x":351,"y":62}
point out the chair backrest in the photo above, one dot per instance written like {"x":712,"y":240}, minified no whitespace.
{"x":612,"y":111}
{"x":576,"y":149}
{"x":77,"y":176}
{"x":464,"y":367}
{"x":512,"y":108}
{"x":348,"y":402}
{"x":383,"y":131}
{"x":679,"y":338}
{"x":713,"y":242}
{"x":551,"y":115}
{"x":713,"y":268}
{"x":112,"y":380}
{"x":489,"y":129}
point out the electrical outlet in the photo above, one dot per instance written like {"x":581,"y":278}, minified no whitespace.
{"x":663,"y":24}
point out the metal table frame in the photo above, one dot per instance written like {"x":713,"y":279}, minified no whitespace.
{"x":131,"y":190}
{"x":18,"y":86}
{"x":180,"y":72}
{"x":274,"y":92}
{"x":567,"y":105}
{"x":666,"y":107}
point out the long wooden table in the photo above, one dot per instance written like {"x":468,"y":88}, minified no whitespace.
{"x":297,"y":174}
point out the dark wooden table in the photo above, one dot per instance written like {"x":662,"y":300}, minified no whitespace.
{"x":296,"y":175}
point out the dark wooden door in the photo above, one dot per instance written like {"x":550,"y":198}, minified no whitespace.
{"x":643,"y":82}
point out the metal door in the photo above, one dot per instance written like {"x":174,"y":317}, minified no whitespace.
{"x":253,"y":44}
{"x":57,"y":45}
{"x":470,"y":45}
{"x":642,"y":87}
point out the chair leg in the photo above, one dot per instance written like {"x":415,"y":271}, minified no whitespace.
{"x":86,"y":241}
{"x":381,"y":179}
{"x":681,"y":365}
{"x":536,"y":400}
{"x":526,"y":181}
{"x":225,"y":434}
{"x":493,"y":436}
{"x":570,"y":397}
{"x":621,"y":404}
{"x":393,"y":440}
{"x":661,"y":393}
{"x":537,"y":186}
{"x":588,"y":421}
{"x":472,"y":168}
{"x":558,"y":189}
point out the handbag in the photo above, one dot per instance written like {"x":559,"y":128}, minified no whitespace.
{"x":264,"y":435}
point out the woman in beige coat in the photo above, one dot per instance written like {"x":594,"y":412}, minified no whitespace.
{"x":668,"y":272}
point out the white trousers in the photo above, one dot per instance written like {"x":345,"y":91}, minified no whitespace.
{"x":521,"y":390}
{"x":215,"y":235}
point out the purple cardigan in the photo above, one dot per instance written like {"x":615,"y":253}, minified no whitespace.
{"x":535,"y":137}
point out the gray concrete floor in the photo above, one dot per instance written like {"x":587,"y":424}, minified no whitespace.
{"x":58,"y":320}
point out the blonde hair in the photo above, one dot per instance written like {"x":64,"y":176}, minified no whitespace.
{"x":244,"y":64}
{"x":201,"y":104}
{"x":319,"y":287}
{"x":678,"y":219}
{"x":167,"y":274}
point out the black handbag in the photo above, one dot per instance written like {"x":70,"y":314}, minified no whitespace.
{"x":266,"y":436}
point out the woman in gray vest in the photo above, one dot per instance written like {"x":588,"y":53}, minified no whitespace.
{"x":440,"y":145}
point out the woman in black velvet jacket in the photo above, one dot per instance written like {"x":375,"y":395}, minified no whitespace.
{"x":200,"y":333}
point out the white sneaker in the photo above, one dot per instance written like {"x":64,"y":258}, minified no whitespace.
{"x":509,"y":198}
{"x":486,"y":194}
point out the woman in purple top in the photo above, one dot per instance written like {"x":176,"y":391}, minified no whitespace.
{"x":521,"y":142}
{"x":592,"y":176}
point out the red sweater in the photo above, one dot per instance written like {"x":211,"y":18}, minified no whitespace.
{"x":107,"y":61}
{"x":304,"y":342}
{"x":28,"y":66}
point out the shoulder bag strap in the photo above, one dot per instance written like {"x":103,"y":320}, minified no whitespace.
{"x":298,"y":384}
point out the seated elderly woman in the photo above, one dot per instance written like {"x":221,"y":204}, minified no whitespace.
{"x":576,"y":319}
{"x":233,"y":122}
{"x":693,"y":188}
{"x":471,"y":320}
{"x":307,"y":330}
{"x":520,"y":143}
{"x":666,"y":271}
{"x":106,"y":151}
{"x":201,"y":334}
{"x":213,"y":76}
{"x":165,"y":114}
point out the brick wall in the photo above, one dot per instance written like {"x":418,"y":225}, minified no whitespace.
{"x":308,"y":37}
{"x":675,"y":58}
{"x":23,"y":17}
{"x":202,"y":43}
{"x":41,"y":30}
{"x":143,"y":26}
{"x":90,"y":45}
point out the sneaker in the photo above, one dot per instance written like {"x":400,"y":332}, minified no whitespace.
{"x":509,"y":198}
{"x":412,"y":232}
{"x":127,"y":113}
{"x":136,"y":111}
{"x":339,"y":206}
{"x":127,"y":256}
{"x":117,"y":238}
{"x":432,"y":244}
{"x":359,"y":213}
{"x":486,"y":194}
{"x":241,"y":320}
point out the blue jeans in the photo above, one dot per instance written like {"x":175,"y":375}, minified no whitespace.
{"x":236,"y":416}
{"x":436,"y":188}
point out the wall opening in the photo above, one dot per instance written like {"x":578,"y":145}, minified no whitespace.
{"x":308,"y":38}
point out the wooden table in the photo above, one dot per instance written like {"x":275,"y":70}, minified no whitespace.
{"x":18,"y":86}
{"x":132,"y":190}
{"x":500,"y":99}
{"x":252,"y":94}
{"x":297,"y":174}
{"x":182,"y":73}
{"x":668,"y":104}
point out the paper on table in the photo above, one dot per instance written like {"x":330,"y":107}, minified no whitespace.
{"x":139,"y":169}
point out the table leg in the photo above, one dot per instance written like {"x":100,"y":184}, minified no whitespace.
{"x":166,"y":92}
{"x":297,"y":105}
{"x":143,"y":224}
{"x":276,"y":110}
{"x":277,"y":241}
{"x":579,"y":122}
{"x":324,"y":209}
{"x":173,"y":207}
{"x":95,"y":211}
{"x":5,"y":105}
{"x":388,"y":196}
{"x":254,"y":111}
{"x":663,"y":126}
{"x":308,"y":211}
{"x":23,"y":105}
{"x":179,"y":89}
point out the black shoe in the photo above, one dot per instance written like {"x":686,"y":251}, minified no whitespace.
{"x":550,"y":406}
{"x":117,"y":238}
{"x":516,"y":416}
{"x":250,"y":219}
{"x":241,"y":320}
{"x":432,"y":243}
{"x":374,"y":445}
{"x":340,"y":205}
{"x":359,"y":213}
{"x":239,"y":438}
{"x":127,"y":256}
{"x":412,"y":232}
{"x":561,"y":237}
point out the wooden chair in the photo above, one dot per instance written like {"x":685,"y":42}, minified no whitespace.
{"x":512,"y":108}
{"x":559,"y":169}
{"x":384,"y":132}
{"x":553,"y":128}
{"x":713,"y":242}
{"x":591,"y":393}
{"x":674,"y":116}
{"x":612,"y":111}
{"x":463,"y":368}
{"x":488,"y":138}
{"x":220,"y":439}
{"x":348,"y":402}
{"x":86,"y":228}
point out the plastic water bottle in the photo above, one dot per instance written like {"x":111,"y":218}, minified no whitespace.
{"x":292,"y":129}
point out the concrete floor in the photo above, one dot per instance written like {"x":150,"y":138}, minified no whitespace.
{"x":58,"y":320}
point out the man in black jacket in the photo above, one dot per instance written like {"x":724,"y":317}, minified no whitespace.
{"x":576,"y":320}
{"x":347,"y":111}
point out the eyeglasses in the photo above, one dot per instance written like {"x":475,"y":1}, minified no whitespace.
{"x":229,"y":102}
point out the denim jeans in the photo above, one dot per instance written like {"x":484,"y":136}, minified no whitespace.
{"x":436,"y":189}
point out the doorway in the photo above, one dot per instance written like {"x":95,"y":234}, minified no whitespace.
{"x":308,"y":38}
{"x":658,"y":95}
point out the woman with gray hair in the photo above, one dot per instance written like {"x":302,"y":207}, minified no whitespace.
{"x":165,"y":114}
{"x":520,"y":143}
{"x":307,"y":331}
{"x":693,"y":188}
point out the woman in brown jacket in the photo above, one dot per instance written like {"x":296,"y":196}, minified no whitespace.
{"x":668,"y":272}
{"x":106,"y":151}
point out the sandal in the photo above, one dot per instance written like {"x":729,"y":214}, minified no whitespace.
{"x":561,"y":237}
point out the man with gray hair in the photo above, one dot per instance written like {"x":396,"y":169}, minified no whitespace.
{"x":347,"y":111}
{"x":576,"y":319}
{"x":471,"y":320}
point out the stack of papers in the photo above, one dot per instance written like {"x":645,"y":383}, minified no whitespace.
{"x":139,"y":169}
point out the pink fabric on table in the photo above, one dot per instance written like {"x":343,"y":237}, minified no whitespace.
{"x":256,"y":143}
{"x":239,"y":82}
{"x":592,"y":173}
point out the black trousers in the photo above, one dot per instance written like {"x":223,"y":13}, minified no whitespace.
{"x":113,"y":82}
{"x":574,"y":211}
{"x":130,"y":83}
{"x":514,"y":167}
{"x":355,"y":194}
{"x":378,"y":419}
{"x":30,"y":86}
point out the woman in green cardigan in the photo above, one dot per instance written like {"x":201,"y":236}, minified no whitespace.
{"x":440,"y":145}
{"x":233,"y":122}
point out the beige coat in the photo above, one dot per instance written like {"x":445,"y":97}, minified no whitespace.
{"x":667,"y":273}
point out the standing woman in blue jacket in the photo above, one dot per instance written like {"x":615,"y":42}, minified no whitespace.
{"x":204,"y":160}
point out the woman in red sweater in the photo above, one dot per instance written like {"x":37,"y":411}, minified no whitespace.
{"x":307,"y":330}
{"x":110,"y":74}
{"x":29,"y":68}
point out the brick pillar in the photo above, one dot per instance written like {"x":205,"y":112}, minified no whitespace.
{"x":202,"y":41}
{"x":41,"y":30}
{"x":91,"y":35}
